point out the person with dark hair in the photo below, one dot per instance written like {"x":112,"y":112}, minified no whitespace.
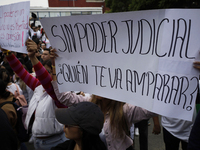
{"x":46,"y":130}
{"x":8,"y":89}
{"x":8,"y":138}
{"x":8,"y":108}
{"x":83,"y":124}
{"x":43,"y":45}
{"x":34,"y":31}
{"x":11,"y":87}
{"x":6,"y":65}
{"x":39,"y":27}
{"x":46,"y":54}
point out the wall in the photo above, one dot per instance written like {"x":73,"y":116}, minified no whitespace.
{"x":76,"y":3}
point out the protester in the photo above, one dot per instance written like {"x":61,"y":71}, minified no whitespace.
{"x":45,"y":55}
{"x":39,"y":27}
{"x":45,"y":39}
{"x":83,"y":123}
{"x":27,"y":91}
{"x":119,"y":116}
{"x":43,"y":45}
{"x":176,"y":131}
{"x":8,"y":108}
{"x":8,"y":138}
{"x":38,"y":42}
{"x":194,"y":138}
{"x":46,"y":130}
{"x":34,"y":31}
{"x":11,"y":87}
{"x":143,"y":131}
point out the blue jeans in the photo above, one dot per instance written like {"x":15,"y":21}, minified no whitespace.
{"x":48,"y":143}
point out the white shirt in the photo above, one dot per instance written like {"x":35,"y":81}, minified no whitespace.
{"x":12,"y":88}
{"x":179,"y":128}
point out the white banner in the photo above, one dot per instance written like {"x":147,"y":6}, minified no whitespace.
{"x":14,"y":22}
{"x":144,"y":58}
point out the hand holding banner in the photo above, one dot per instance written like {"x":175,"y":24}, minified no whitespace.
{"x":144,"y":58}
{"x":14,"y":24}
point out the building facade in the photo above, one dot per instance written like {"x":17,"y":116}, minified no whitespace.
{"x":78,"y":3}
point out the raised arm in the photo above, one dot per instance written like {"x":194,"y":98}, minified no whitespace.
{"x":17,"y":67}
{"x":66,"y":98}
{"x":41,"y":73}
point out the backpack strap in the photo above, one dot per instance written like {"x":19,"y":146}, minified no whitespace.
{"x":8,"y":102}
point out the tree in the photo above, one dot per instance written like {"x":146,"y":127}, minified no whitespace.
{"x":132,"y":5}
{"x":118,"y":5}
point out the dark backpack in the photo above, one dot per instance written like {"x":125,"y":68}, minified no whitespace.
{"x":23,"y":133}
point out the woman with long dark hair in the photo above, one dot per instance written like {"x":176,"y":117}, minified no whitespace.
{"x":83,"y":123}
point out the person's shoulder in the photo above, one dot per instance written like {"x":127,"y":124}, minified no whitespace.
{"x":128,"y":106}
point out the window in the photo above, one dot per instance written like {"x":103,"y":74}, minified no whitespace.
{"x":43,"y":14}
{"x":65,"y":14}
{"x":54,"y":14}
{"x":75,"y":13}
{"x":96,"y":12}
{"x":86,"y":12}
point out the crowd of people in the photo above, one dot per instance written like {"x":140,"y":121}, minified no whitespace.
{"x":72,"y":120}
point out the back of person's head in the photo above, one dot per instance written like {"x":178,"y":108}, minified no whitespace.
{"x":36,"y":40}
{"x":5,"y":75}
{"x":3,"y":92}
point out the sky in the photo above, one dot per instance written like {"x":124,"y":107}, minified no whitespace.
{"x":33,"y":3}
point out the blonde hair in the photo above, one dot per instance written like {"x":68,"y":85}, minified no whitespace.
{"x":118,"y":122}
{"x":22,"y":84}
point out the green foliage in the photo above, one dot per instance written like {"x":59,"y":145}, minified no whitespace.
{"x":118,"y":5}
{"x":132,"y":5}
